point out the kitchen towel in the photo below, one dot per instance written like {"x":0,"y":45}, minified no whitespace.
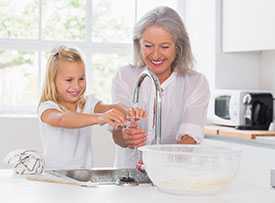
{"x":25,"y":162}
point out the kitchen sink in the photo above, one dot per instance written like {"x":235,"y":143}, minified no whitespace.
{"x":95,"y":177}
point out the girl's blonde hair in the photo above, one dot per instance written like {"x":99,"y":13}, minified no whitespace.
{"x":59,"y":54}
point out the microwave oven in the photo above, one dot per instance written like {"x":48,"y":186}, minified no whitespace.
{"x":243,"y":109}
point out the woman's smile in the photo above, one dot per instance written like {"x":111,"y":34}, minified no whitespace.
{"x":158,"y":51}
{"x":157,"y":62}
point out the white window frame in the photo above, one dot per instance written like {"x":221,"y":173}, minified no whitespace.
{"x":87,"y":47}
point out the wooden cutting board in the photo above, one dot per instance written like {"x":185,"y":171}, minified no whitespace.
{"x":216,"y":130}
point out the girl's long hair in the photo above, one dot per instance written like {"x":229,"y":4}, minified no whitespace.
{"x":61,"y":53}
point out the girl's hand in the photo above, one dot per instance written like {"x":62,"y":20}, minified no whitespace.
{"x":113,"y":117}
{"x":186,"y":139}
{"x":135,"y":114}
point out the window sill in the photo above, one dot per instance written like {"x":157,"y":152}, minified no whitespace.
{"x":18,"y":116}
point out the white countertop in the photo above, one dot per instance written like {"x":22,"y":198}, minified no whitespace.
{"x":251,"y":185}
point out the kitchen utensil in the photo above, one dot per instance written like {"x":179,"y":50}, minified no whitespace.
{"x":272,"y":126}
{"x":190,"y":169}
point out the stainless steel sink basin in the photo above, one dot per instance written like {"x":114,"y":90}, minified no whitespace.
{"x":94,"y":177}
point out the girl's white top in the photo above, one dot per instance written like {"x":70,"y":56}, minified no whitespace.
{"x":184,"y":107}
{"x":66,"y":148}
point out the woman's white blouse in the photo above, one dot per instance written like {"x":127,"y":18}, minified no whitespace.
{"x":184,"y":107}
{"x":66,"y":148}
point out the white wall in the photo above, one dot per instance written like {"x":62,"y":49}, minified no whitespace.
{"x":18,"y":133}
{"x":267,"y":70}
{"x":23,"y":133}
{"x":234,"y":70}
{"x":230,"y":70}
{"x":200,"y":24}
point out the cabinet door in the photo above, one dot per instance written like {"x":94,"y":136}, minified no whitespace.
{"x":248,"y":25}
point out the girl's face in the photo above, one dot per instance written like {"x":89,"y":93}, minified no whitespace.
{"x":70,"y":82}
{"x":158,"y":51}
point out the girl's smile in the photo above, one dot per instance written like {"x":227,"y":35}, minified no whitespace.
{"x":70,"y":82}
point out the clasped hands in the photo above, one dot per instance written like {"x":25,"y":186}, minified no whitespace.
{"x":133,"y":135}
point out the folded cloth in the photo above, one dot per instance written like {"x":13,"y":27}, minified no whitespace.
{"x":25,"y":162}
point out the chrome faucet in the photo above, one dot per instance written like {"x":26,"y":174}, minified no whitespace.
{"x":157,"y":101}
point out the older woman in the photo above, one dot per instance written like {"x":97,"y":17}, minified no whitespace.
{"x":161,"y":44}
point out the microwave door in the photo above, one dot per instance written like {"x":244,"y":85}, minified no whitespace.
{"x":222,"y":107}
{"x":222,"y":110}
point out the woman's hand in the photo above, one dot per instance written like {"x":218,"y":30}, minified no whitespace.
{"x":186,"y":139}
{"x":133,"y":137}
{"x":130,"y":134}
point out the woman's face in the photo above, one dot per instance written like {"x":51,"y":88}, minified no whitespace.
{"x":70,"y":82}
{"x":158,"y":51}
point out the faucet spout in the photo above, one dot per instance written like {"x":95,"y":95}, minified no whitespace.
{"x":157,"y":101}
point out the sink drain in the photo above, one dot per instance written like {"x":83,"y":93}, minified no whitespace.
{"x":127,"y":181}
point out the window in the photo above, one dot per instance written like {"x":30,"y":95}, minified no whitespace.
{"x":29,"y":29}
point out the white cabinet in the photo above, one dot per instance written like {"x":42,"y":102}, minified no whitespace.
{"x":248,"y":25}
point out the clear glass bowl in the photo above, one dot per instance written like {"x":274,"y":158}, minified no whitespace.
{"x":190,"y":169}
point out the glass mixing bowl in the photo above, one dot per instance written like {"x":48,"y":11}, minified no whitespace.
{"x":190,"y":169}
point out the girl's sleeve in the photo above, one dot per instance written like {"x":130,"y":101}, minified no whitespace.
{"x":195,"y":110}
{"x":91,"y":102}
{"x":45,"y":106}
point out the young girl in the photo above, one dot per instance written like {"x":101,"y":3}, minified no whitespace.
{"x":65,"y":113}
